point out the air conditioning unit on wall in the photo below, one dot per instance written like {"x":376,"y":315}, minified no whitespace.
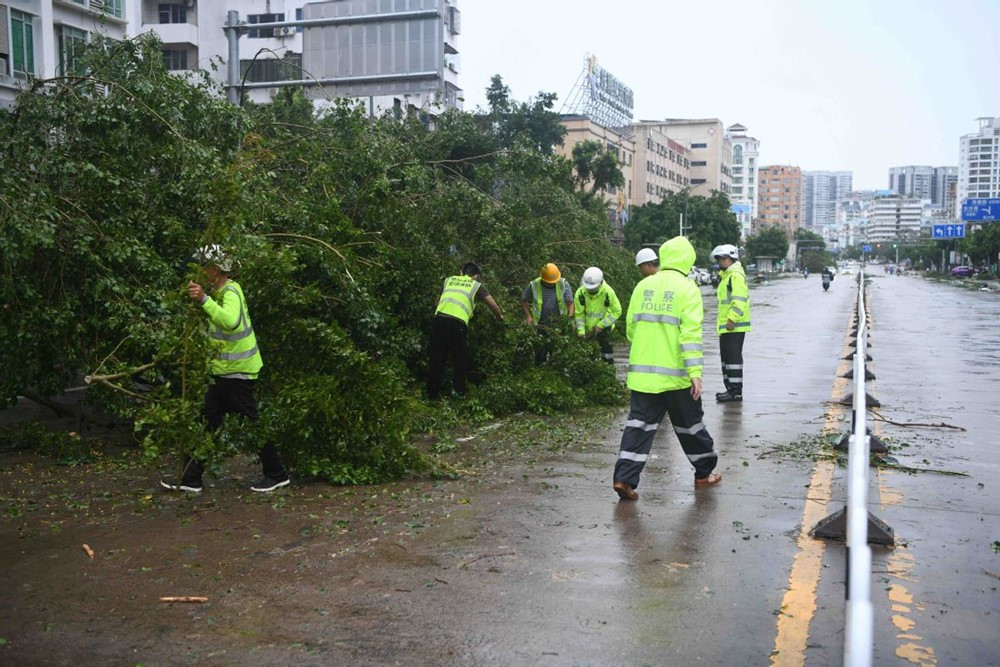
{"x":284,"y":32}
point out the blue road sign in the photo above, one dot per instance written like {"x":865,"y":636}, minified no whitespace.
{"x":981,"y":209}
{"x":948,"y":232}
{"x":866,"y":248}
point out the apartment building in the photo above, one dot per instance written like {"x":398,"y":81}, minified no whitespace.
{"x":979,"y":163}
{"x":851,"y":220}
{"x":580,"y":128}
{"x":779,"y":202}
{"x":894,"y":218}
{"x":743,"y":195}
{"x":391,"y":65}
{"x":820,"y":192}
{"x":662,"y":165}
{"x":925,"y":182}
{"x":39,"y":39}
{"x":710,"y":153}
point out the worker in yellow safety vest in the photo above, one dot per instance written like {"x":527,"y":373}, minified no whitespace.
{"x":733,"y":320}
{"x":663,"y":324}
{"x":234,"y":367}
{"x":449,"y":337}
{"x":546,"y":301}
{"x":597,"y":309}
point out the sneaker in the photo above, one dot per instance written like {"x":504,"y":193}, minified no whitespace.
{"x":267,"y":484}
{"x":189,"y":487}
{"x":712,"y":479}
{"x":728,"y":398}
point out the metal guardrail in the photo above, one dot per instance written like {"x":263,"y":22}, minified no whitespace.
{"x":854,"y":522}
{"x":859,"y":626}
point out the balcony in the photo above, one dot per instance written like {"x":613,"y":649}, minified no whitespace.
{"x":176,"y":33}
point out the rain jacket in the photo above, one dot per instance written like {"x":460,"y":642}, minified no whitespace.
{"x":663,"y":323}
{"x":734,"y":299}
{"x":231,"y":334}
{"x":602,"y":308}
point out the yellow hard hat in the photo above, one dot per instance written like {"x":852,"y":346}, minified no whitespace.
{"x":550,"y":273}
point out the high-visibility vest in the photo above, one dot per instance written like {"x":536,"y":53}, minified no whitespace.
{"x":601,"y":308}
{"x":236,"y":353}
{"x":663,"y":323}
{"x":734,"y":300}
{"x":458,"y":298}
{"x":536,"y":297}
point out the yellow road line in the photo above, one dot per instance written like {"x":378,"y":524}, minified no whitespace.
{"x":798,"y":606}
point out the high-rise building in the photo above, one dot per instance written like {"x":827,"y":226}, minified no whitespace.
{"x":923,"y":182}
{"x":779,"y":201}
{"x":620,"y":200}
{"x":710,"y":151}
{"x":820,"y":192}
{"x":39,"y":39}
{"x":743,"y":195}
{"x":979,"y":163}
{"x":389,"y":59}
{"x":894,"y":218}
{"x":853,"y":209}
{"x":662,"y":165}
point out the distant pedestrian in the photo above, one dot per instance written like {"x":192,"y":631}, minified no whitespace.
{"x":733,"y":320}
{"x":234,"y":368}
{"x":597,"y":309}
{"x":547,"y":301}
{"x":647,"y":261}
{"x":455,"y":306}
{"x":663,"y":323}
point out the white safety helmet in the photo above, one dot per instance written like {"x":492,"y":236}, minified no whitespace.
{"x":645,"y":255}
{"x":214,"y":254}
{"x":592,"y":278}
{"x":725,"y":250}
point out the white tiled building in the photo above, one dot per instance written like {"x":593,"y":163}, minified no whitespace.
{"x":743,"y":194}
{"x":39,"y":38}
{"x":979,"y":163}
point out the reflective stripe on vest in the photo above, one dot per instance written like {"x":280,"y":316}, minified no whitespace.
{"x":458,"y":298}
{"x":536,"y":301}
{"x":237,"y":352}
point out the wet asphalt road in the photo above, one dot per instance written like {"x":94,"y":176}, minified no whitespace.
{"x":565,"y":574}
{"x":544,"y":565}
{"x":684,"y":577}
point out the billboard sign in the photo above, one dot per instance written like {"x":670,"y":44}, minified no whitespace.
{"x":981,"y":209}
{"x":948,"y":232}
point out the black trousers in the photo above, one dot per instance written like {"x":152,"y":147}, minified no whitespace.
{"x":233,"y":396}
{"x":644,"y":417}
{"x":449,"y":337}
{"x":607,"y":350}
{"x":731,"y":351}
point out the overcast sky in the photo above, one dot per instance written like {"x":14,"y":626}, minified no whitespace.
{"x":858,"y":85}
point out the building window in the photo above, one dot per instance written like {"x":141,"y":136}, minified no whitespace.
{"x":71,"y":43}
{"x":298,"y":17}
{"x":113,"y":8}
{"x":698,"y":163}
{"x":22,"y":43}
{"x":173,"y":13}
{"x":737,"y":154}
{"x":175,"y":59}
{"x":265,"y":70}
{"x":263,"y":32}
{"x":697,"y":181}
{"x":699,"y":145}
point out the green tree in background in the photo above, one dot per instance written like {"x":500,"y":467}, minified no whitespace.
{"x":709,"y":222}
{"x":771,"y":241}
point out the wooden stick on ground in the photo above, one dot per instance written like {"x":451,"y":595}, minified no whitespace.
{"x":90,"y":552}
{"x":183,"y":598}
